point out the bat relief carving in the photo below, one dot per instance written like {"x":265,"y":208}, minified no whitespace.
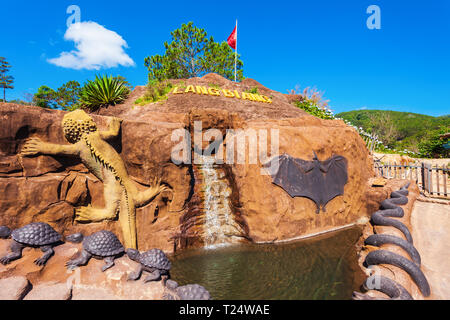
{"x":319,"y":181}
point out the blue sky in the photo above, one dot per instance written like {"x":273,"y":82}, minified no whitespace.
{"x":403,"y":66}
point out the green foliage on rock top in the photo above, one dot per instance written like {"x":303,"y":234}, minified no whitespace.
{"x":155,"y":91}
{"x":312,"y":101}
{"x":102,"y":92}
{"x":404,"y":130}
{"x":192,"y":54}
{"x":314,"y":110}
{"x":252,"y":90}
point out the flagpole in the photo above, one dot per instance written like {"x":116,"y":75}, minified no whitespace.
{"x":235,"y":51}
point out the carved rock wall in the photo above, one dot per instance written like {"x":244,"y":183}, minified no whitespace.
{"x":47,"y":189}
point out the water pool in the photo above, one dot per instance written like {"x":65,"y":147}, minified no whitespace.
{"x":324,"y":267}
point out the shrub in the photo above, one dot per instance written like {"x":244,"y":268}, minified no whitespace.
{"x":311,"y":100}
{"x":155,"y":91}
{"x":253,"y":90}
{"x":103,"y":91}
{"x":309,"y":106}
{"x":433,"y":145}
{"x":213,"y":85}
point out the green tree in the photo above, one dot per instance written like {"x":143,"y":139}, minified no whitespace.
{"x":6,"y":81}
{"x":67,"y":95}
{"x":45,"y":98}
{"x":384,"y":127}
{"x":192,"y":54}
{"x":433,"y":144}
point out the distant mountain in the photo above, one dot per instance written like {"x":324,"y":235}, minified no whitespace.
{"x":399,"y":130}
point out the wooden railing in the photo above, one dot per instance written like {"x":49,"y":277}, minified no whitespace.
{"x":433,"y":181}
{"x":370,"y":142}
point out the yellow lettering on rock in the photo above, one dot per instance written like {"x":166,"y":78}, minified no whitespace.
{"x":189,"y":88}
{"x":213,"y":92}
{"x":227,"y":93}
{"x":268,"y":100}
{"x":175,"y":91}
{"x":247,"y":96}
{"x":201,"y":90}
{"x":258,"y":98}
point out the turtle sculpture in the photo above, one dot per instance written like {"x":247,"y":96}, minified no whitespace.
{"x":100,"y":245}
{"x":153,"y":261}
{"x":36,"y":235}
{"x":188,"y":292}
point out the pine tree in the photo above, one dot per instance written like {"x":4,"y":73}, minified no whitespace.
{"x":6,"y":81}
{"x":192,"y":54}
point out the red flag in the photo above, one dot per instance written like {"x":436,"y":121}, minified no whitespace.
{"x":232,"y":38}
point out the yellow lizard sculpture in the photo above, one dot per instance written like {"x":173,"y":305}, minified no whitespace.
{"x":120,"y":193}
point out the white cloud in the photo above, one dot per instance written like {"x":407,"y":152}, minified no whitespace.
{"x":95,"y":47}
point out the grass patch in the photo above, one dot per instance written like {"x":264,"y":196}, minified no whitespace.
{"x":213,"y":85}
{"x":155,"y":91}
{"x":253,"y":90}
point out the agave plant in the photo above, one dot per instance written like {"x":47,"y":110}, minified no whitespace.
{"x":103,"y":91}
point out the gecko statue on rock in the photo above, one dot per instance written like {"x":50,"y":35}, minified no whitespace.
{"x":122,"y":196}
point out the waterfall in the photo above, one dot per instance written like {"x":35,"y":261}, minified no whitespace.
{"x":220,"y":228}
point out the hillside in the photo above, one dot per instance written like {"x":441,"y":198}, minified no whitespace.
{"x":399,"y":130}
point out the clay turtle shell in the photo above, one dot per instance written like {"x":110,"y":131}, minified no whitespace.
{"x":36,"y":234}
{"x":103,"y":244}
{"x":193,"y":292}
{"x":155,"y":258}
{"x":187,"y":292}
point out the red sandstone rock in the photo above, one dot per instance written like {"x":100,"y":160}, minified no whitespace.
{"x":54,"y":282}
{"x":14,"y":288}
{"x":93,"y":293}
{"x":47,"y":189}
{"x":50,"y":291}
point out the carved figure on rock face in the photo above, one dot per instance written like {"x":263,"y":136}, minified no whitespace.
{"x":37,"y":234}
{"x":89,"y":144}
{"x":320,"y":181}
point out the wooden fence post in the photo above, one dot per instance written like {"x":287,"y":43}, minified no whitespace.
{"x":430,"y":179}
{"x":395,"y":170}
{"x":386,"y":170}
{"x":437,"y":181}
{"x":444,"y":174}
{"x":422,"y":172}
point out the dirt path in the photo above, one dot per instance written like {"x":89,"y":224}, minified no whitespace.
{"x":431,"y":234}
